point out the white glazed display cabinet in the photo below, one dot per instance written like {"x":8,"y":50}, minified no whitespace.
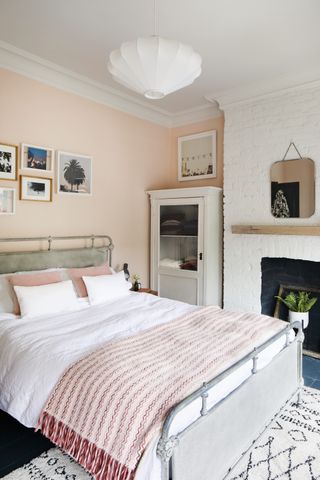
{"x":186,"y":244}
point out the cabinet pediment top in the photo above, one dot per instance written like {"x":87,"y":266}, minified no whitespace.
{"x":184,"y":192}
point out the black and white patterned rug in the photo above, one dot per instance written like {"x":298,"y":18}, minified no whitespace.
{"x":288,"y":450}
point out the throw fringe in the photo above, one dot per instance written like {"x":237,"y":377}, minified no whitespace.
{"x":95,"y":460}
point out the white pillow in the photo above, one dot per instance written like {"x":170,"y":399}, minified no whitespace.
{"x":6,"y":300}
{"x":49,"y":299}
{"x":104,"y":288}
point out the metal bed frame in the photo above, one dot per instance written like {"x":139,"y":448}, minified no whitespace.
{"x":210,"y":447}
{"x":15,"y":261}
{"x":50,"y":239}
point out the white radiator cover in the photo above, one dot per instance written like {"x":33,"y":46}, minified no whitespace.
{"x":257,"y":133}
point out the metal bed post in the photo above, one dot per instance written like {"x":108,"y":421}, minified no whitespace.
{"x":300,"y":339}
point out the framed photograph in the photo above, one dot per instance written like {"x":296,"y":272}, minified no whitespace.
{"x":35,"y":188}
{"x":197,"y":156}
{"x":74,"y":176}
{"x":8,"y":162}
{"x":7,"y":201}
{"x":36,"y":158}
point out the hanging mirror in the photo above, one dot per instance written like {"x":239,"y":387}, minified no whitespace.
{"x":293,"y":188}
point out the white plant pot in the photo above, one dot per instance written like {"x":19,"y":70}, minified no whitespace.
{"x":302,"y":317}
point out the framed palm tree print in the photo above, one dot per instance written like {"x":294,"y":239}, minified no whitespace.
{"x":74,"y":176}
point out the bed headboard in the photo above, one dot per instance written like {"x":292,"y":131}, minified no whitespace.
{"x":17,"y":261}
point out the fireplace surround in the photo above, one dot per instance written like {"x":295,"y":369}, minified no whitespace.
{"x":284,"y":275}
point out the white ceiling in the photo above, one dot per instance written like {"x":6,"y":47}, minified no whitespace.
{"x":243,"y":43}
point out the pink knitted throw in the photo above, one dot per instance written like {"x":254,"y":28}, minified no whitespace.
{"x":108,"y":405}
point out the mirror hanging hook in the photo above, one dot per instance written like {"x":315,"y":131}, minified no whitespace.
{"x":292,"y":144}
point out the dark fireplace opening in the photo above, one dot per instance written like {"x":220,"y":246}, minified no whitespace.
{"x":281,"y":275}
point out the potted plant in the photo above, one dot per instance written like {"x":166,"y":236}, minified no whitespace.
{"x":136,"y":284}
{"x":299,"y":305}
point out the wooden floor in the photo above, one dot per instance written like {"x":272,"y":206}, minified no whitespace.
{"x":18,"y":444}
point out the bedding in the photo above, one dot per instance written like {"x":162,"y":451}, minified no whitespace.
{"x":35,"y":353}
{"x":8,"y":301}
{"x":31,"y":280}
{"x":108,"y":405}
{"x":77,"y":274}
{"x":49,"y":299}
{"x":104,"y":288}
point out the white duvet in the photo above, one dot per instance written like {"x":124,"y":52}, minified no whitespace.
{"x":35,"y":353}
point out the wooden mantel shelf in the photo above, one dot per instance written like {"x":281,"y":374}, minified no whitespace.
{"x":276,"y":230}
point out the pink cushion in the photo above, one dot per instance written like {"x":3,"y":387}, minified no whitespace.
{"x":76,"y":274}
{"x":31,"y":280}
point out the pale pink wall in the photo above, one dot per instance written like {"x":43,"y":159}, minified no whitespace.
{"x":212,"y":124}
{"x":129,"y":157}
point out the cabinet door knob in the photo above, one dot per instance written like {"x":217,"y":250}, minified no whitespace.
{"x":200,"y":256}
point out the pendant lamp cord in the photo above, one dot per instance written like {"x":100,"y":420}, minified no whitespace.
{"x":156,"y":19}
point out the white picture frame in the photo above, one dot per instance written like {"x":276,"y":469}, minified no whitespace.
{"x":8,"y":162}
{"x":7,"y":201}
{"x":197,"y":156}
{"x":35,"y":158}
{"x":69,"y":185}
{"x":36,"y":189}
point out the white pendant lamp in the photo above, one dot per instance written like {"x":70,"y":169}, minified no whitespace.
{"x":154,"y":66}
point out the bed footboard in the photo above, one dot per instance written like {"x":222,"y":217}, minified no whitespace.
{"x":212,"y":445}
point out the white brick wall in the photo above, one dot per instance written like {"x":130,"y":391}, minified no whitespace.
{"x":256,"y":135}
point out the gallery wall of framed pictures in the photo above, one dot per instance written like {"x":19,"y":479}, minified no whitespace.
{"x":37,"y":167}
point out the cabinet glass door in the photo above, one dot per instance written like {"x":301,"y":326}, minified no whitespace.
{"x":178,"y":227}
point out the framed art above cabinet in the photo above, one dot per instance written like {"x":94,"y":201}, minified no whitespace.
{"x":197,"y":156}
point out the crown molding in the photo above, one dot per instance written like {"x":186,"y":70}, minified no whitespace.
{"x":37,"y":68}
{"x":32,"y":66}
{"x":261,"y":90}
{"x":197,"y":114}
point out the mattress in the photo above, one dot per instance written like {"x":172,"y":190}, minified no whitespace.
{"x":35,"y":353}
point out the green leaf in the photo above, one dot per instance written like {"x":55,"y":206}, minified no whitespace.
{"x":310,"y":303}
{"x":298,"y":302}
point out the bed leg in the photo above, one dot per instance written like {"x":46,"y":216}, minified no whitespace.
{"x":164,"y":451}
{"x":300,"y":339}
